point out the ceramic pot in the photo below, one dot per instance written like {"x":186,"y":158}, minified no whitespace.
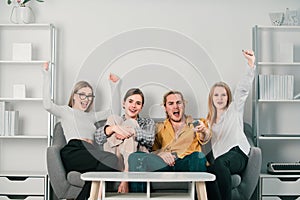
{"x":22,"y":15}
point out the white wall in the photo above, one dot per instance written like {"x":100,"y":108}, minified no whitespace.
{"x":222,"y":28}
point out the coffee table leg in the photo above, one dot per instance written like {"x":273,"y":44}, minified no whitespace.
{"x":94,"y":190}
{"x":201,"y":191}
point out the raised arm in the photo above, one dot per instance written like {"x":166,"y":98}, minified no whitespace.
{"x":114,"y":108}
{"x":47,"y":102}
{"x":115,"y":100}
{"x":243,"y":87}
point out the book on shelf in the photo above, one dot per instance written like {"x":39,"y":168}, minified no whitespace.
{"x":2,"y":117}
{"x":11,"y":125}
{"x":276,"y":87}
{"x":9,"y":120}
{"x":14,"y":122}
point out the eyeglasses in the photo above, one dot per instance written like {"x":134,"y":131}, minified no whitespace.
{"x":83,"y":96}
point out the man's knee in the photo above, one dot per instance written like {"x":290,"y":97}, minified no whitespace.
{"x":136,"y":161}
{"x":200,"y":159}
{"x":198,"y":156}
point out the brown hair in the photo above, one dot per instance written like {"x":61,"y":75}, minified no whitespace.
{"x":212,"y":112}
{"x":172,"y":92}
{"x":134,"y":91}
{"x":78,"y":86}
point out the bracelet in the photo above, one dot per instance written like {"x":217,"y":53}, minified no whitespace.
{"x":105,"y":131}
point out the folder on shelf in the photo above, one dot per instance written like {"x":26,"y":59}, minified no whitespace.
{"x":276,"y":87}
{"x":11,"y":122}
{"x":2,"y":117}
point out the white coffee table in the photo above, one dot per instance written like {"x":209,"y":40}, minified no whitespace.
{"x":194,"y":178}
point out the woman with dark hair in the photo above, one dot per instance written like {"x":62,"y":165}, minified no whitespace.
{"x":128,"y":133}
{"x":78,"y":122}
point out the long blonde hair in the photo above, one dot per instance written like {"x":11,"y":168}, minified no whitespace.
{"x":78,"y":86}
{"x":212,"y":111}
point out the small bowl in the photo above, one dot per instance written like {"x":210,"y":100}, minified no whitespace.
{"x":276,"y":18}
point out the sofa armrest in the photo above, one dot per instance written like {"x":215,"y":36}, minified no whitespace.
{"x":56,"y":171}
{"x":251,"y":174}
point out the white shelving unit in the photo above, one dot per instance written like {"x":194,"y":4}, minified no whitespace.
{"x":23,"y":172}
{"x":276,"y":121}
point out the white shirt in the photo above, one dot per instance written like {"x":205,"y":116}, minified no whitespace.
{"x":229,"y":131}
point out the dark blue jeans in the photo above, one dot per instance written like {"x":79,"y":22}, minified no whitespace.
{"x":148,"y":162}
{"x":232,"y":162}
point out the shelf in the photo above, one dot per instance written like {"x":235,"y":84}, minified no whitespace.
{"x":279,"y":64}
{"x":25,"y":137}
{"x":18,"y":99}
{"x":27,"y":26}
{"x":280,"y":137}
{"x":275,"y":120}
{"x":23,"y":62}
{"x":279,"y":101}
{"x":143,"y":196}
{"x":279,"y":27}
{"x":24,"y":154}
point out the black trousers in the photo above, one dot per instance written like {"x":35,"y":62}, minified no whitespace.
{"x":232,"y":162}
{"x":82,"y":156}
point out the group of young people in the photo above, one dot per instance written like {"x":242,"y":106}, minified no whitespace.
{"x":133,"y":143}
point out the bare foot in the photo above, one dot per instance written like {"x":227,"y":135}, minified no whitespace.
{"x":123,"y":187}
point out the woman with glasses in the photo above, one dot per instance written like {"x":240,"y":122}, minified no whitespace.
{"x":78,"y":122}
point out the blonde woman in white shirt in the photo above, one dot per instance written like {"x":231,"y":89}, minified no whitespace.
{"x":230,"y":146}
{"x":78,"y":122}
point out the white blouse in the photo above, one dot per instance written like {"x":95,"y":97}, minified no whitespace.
{"x":229,"y":131}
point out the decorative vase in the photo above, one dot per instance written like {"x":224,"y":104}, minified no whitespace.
{"x":22,"y":15}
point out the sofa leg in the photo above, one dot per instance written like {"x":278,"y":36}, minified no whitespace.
{"x":201,"y":191}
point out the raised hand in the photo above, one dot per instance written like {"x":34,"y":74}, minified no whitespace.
{"x":46,"y":66}
{"x":114,"y":78}
{"x":249,"y":55}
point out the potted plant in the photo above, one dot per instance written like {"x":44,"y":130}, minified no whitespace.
{"x":22,"y":3}
{"x":22,"y":14}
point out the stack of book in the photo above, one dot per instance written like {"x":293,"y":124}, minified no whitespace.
{"x":9,"y":120}
{"x":276,"y":87}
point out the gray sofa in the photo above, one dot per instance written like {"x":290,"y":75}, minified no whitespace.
{"x":68,"y":186}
